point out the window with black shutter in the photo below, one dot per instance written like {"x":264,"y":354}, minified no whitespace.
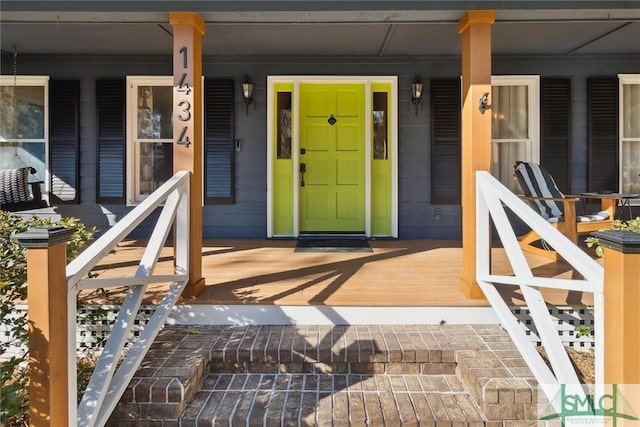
{"x":602,"y":118}
{"x":555,"y":129}
{"x":555,"y":94}
{"x":219,"y":141}
{"x":64,"y":138}
{"x":110,"y":179}
{"x":445,"y":141}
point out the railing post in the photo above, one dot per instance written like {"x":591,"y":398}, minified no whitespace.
{"x":621,"y":313}
{"x":48,"y":320}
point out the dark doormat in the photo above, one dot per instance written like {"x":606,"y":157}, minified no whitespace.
{"x":333,"y":245}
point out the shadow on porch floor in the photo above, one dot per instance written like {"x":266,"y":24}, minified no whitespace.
{"x":398,"y":273}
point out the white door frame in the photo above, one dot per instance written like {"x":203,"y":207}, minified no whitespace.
{"x":295,"y":143}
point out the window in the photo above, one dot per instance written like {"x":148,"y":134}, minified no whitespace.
{"x":515,"y":125}
{"x":135,"y":138}
{"x":149,"y":135}
{"x":24,"y":129}
{"x":629,"y":133}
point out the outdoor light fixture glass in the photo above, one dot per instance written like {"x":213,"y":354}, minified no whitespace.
{"x":247,"y":93}
{"x":416,"y":93}
{"x":483,"y":102}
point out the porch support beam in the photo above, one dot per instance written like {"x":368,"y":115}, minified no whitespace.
{"x":188,"y":28}
{"x":475,"y":30}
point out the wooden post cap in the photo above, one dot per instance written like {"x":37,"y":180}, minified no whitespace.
{"x":43,"y":237}
{"x":627,"y":242}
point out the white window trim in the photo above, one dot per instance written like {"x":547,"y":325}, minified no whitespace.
{"x":132,"y":119}
{"x":533,"y":95}
{"x":624,"y":79}
{"x":7,"y":80}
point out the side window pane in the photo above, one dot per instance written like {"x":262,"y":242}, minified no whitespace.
{"x":380,"y":125}
{"x":284,"y":125}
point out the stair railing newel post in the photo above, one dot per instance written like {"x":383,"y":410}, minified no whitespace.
{"x":621,"y":315}
{"x":52,"y":356}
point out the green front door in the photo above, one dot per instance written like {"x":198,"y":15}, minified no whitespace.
{"x":331,"y":177}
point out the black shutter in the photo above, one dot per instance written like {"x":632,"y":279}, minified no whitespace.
{"x":445,"y":141}
{"x":218,"y":141}
{"x":111,"y":105}
{"x":64,"y":139}
{"x":602,"y":117}
{"x":555,"y":129}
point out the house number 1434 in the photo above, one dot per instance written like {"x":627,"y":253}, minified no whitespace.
{"x":184,"y":106}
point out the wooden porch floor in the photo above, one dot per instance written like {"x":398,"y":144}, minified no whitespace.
{"x":397,"y":273}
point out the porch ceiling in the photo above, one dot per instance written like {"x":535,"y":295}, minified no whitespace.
{"x":321,"y":33}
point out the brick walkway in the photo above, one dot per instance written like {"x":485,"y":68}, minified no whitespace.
{"x":323,"y":375}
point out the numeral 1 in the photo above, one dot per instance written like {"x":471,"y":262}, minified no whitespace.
{"x":183,"y":51}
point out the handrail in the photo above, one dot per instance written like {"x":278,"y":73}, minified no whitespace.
{"x":491,"y":199}
{"x":109,"y":381}
{"x":87,"y":260}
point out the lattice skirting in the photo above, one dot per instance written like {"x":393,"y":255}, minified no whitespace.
{"x":566,"y":320}
{"x":90,"y":336}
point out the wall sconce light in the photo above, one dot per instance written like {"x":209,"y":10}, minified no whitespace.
{"x":416,"y":93}
{"x":483,"y":102}
{"x":247,"y":93}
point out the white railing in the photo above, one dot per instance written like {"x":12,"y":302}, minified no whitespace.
{"x":491,"y":199}
{"x":108,"y":383}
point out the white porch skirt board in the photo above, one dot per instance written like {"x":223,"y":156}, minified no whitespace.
{"x":327,"y":315}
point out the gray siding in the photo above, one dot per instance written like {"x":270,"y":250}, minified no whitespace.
{"x":246,"y":218}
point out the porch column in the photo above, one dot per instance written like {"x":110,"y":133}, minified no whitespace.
{"x":188,"y":28}
{"x":50,"y":354}
{"x":475,"y":29}
{"x":621,"y":314}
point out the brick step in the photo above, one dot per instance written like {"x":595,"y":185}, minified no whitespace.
{"x":331,"y":399}
{"x":183,"y":358}
{"x":368,"y":349}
